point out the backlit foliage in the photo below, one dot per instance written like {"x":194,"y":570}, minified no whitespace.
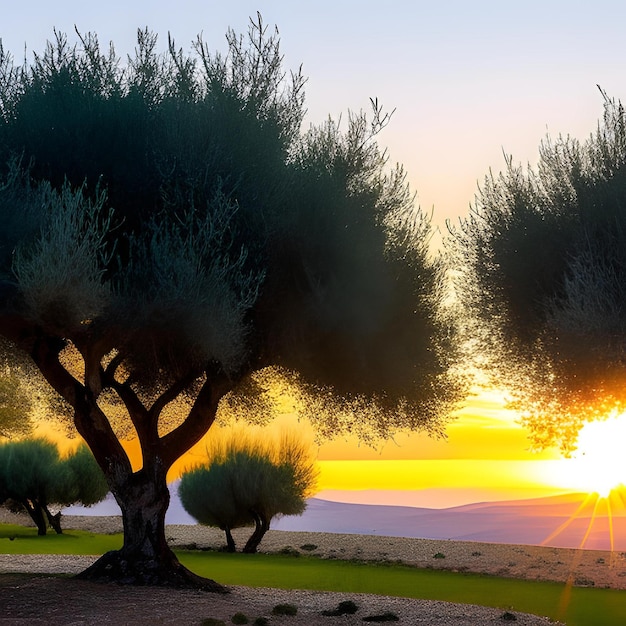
{"x":540,"y":269}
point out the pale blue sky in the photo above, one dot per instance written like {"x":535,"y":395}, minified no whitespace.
{"x":469,"y":80}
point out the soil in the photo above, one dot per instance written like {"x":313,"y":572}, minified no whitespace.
{"x":43,"y":600}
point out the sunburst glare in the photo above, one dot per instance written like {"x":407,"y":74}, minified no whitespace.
{"x":598,"y":464}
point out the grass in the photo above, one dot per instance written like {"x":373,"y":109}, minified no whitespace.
{"x":16,"y":539}
{"x":576,"y":606}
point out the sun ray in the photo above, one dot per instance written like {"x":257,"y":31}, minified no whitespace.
{"x":584,"y":504}
{"x":578,"y":553}
{"x":609,"y":514}
{"x":592,"y":520}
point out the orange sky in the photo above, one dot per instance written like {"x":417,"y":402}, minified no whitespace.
{"x":486,"y":456}
{"x":483,"y":429}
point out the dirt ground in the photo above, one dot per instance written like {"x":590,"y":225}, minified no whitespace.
{"x":39,"y":600}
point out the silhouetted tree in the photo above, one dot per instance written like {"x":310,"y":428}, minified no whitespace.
{"x":541,"y":276}
{"x":248,"y":482}
{"x":170,"y":238}
{"x":34,"y":477}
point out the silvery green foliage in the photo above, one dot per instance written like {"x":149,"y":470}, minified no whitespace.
{"x":197,"y":281}
{"x":61,"y":272}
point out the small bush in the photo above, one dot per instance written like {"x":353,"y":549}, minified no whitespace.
{"x":308,"y":547}
{"x":384,"y":617}
{"x":239,"y":618}
{"x":261,"y":621}
{"x":211,"y":621}
{"x":507,"y":616}
{"x":439,"y":555}
{"x":285,"y":609}
{"x":347,"y":607}
{"x":289,"y":551}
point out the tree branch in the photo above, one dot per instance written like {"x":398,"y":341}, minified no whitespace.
{"x":89,"y":419}
{"x":136,"y":410}
{"x":170,"y":394}
{"x":200,"y":418}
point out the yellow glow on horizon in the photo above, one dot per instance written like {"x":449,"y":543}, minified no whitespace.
{"x":487,"y":474}
{"x":486,"y":452}
{"x":597,"y":465}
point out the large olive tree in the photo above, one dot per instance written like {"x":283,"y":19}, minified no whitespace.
{"x":173,"y":241}
{"x":541,"y":279}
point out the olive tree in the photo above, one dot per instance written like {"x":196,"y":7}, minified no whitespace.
{"x":33,"y":477}
{"x":541,"y":280}
{"x":173,"y":241}
{"x":248,"y":482}
{"x":16,"y":405}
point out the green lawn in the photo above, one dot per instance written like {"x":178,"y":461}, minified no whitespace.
{"x":21,"y":540}
{"x":580,"y":606}
{"x":575,"y":606}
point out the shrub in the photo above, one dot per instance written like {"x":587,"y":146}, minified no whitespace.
{"x":347,"y":607}
{"x":285,"y":609}
{"x":247,"y":482}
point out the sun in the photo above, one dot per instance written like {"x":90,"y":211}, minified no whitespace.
{"x":599,"y":464}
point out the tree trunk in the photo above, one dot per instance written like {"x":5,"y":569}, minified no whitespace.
{"x":230,"y":542}
{"x":37,"y":515}
{"x":145,"y":558}
{"x":261,"y":526}
{"x":54,"y":520}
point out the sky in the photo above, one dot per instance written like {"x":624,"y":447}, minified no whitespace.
{"x":468,"y":83}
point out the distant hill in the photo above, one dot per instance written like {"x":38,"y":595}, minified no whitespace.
{"x":566,"y":521}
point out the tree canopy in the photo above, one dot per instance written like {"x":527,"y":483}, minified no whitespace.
{"x":16,"y":404}
{"x":541,"y":269}
{"x":248,"y":482}
{"x":34,"y":477}
{"x":178,"y":240}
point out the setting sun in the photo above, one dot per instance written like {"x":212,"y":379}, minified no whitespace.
{"x":597,"y":465}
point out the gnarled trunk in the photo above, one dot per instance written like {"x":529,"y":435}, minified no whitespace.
{"x":145,"y":558}
{"x":143,"y":497}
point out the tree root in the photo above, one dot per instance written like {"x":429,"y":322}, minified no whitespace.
{"x":116,"y":567}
